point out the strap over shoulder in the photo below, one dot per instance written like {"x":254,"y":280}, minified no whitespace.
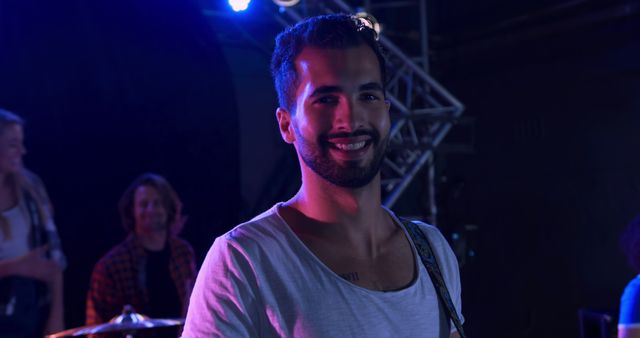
{"x":428,"y":258}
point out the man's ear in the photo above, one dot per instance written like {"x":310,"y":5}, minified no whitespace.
{"x":284,"y":123}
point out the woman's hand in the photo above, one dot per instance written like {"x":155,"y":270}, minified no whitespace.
{"x":33,"y":264}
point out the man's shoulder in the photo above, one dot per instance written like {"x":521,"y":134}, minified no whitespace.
{"x":262,"y":233}
{"x":632,"y":290}
{"x":438,"y":243}
{"x":118,"y":253}
{"x":180,"y":243}
{"x":432,"y":232}
{"x":266,"y":224}
{"x":629,"y":316}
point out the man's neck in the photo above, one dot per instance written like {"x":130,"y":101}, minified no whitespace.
{"x":152,"y":240}
{"x":351,"y":213}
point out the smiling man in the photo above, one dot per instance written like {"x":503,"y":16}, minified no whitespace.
{"x":153,"y":269}
{"x":331,"y":261}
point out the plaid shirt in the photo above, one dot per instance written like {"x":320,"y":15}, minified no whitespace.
{"x":119,"y":278}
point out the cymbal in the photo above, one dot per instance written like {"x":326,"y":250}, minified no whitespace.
{"x":127,"y":322}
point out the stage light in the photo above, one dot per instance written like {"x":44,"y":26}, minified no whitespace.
{"x":239,"y":5}
{"x":286,"y":3}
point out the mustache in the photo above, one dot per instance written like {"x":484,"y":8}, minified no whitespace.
{"x":374,"y":134}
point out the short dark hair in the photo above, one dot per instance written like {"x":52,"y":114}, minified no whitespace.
{"x":170,"y":201}
{"x":335,"y":31}
{"x":630,"y":243}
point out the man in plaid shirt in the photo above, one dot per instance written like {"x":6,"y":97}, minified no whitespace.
{"x":152,"y":269}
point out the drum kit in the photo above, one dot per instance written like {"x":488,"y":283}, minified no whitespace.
{"x":128,"y":323}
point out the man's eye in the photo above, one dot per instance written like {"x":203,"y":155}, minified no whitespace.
{"x":327,"y":100}
{"x":370,"y":97}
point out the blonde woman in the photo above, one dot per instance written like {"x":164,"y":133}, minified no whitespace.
{"x":31,"y":261}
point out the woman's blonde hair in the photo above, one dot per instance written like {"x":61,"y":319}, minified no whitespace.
{"x":20,"y":181}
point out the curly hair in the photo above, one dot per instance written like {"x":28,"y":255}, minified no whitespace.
{"x":630,"y":243}
{"x":335,"y":31}
{"x":170,"y":201}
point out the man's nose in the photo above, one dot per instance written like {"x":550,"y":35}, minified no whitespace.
{"x":349,"y":116}
{"x":151,"y":207}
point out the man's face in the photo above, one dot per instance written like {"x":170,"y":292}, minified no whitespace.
{"x":148,"y":210}
{"x":341,"y":123}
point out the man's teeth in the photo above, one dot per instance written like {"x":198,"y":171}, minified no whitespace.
{"x":350,"y":146}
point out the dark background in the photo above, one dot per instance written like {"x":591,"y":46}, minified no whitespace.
{"x":111,"y":89}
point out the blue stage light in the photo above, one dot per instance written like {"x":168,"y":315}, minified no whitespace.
{"x":239,"y":5}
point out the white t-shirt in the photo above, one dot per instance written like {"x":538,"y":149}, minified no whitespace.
{"x":260,"y":280}
{"x":19,"y":226}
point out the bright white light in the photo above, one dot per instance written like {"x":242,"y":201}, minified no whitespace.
{"x":239,"y":5}
{"x":286,"y":3}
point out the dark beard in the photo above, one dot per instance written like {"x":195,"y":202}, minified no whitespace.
{"x":349,"y":175}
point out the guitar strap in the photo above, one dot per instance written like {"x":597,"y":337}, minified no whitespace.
{"x":428,"y":258}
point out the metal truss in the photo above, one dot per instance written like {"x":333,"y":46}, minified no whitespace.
{"x":422,"y":110}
